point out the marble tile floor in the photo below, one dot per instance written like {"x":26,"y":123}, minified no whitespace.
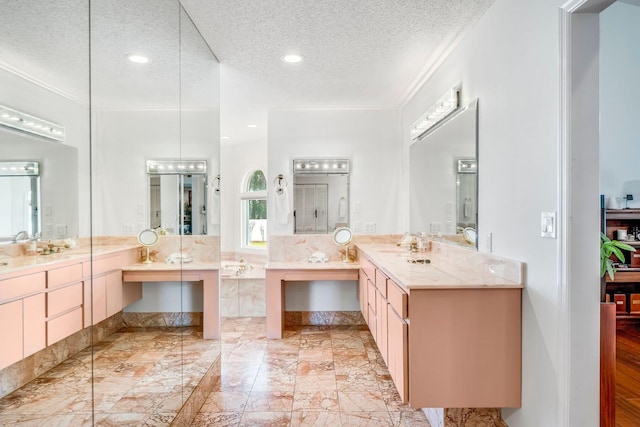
{"x":141,"y":377}
{"x":314,"y":376}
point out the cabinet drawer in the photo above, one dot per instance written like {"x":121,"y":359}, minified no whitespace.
{"x":64,"y":275}
{"x":371,"y":295}
{"x":368,"y":268}
{"x":23,"y":285}
{"x":397,"y":299}
{"x":381,"y":282}
{"x":63,"y":326}
{"x":64,"y":299}
{"x":104,"y":265}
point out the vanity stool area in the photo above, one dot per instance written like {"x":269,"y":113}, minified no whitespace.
{"x":448,"y":330}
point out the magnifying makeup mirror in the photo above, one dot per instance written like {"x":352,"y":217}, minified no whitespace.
{"x":342,"y":236}
{"x":147,"y":238}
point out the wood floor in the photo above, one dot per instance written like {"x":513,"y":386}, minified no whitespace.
{"x":628,"y":376}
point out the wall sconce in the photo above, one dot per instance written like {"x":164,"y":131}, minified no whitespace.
{"x":19,"y":169}
{"x":176,"y":167}
{"x":23,"y":122}
{"x":434,"y":115}
{"x":321,"y":166}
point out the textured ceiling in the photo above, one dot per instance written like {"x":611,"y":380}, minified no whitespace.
{"x":358,"y":54}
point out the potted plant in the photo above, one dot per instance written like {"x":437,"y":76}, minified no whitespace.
{"x":609,"y":247}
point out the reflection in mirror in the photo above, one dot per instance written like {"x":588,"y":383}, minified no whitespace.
{"x":443,"y":179}
{"x":178,"y":199}
{"x":20,"y":195}
{"x":320,"y":195}
{"x":48,"y":205}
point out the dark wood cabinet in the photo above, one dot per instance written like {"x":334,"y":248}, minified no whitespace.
{"x":625,"y":289}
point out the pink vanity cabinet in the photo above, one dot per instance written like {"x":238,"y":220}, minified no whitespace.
{"x":48,"y":299}
{"x":450,"y":336}
{"x":21,"y":316}
{"x":104,"y":275}
{"x":386,"y":321}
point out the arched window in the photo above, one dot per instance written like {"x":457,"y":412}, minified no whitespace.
{"x":254,"y":210}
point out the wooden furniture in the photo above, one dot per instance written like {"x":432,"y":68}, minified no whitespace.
{"x":134,"y":275}
{"x":277,"y":274}
{"x":625,"y":289}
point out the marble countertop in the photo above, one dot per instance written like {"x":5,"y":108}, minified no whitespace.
{"x":84,"y":253}
{"x":449,"y":268}
{"x":305,"y":265}
{"x":163,"y":266}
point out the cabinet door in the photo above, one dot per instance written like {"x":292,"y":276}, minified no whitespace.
{"x":371,"y":304}
{"x":114,"y":292}
{"x":35,"y":332}
{"x":95,"y":300}
{"x":397,"y":362}
{"x":11,"y":333}
{"x":362,"y":294}
{"x":381,"y":325}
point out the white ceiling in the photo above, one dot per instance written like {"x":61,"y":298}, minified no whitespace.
{"x":357,"y":53}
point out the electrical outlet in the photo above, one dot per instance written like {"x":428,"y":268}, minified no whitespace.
{"x":488,"y":243}
{"x":127,"y":229}
{"x":370,"y":227}
{"x":435,"y":227}
{"x":356,"y":226}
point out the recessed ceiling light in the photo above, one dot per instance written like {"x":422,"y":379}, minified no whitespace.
{"x":138,"y":59}
{"x":252,"y":126}
{"x":292,"y":58}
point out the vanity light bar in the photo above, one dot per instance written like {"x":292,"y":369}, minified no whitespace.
{"x":23,"y":122}
{"x":321,"y":166}
{"x":467,"y":166}
{"x":176,"y":167}
{"x":19,"y":169}
{"x":434,"y":115}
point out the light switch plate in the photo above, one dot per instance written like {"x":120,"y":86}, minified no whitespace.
{"x":548,"y":225}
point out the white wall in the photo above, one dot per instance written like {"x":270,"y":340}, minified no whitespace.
{"x":509,"y":60}
{"x":369,"y":138}
{"x":619,"y":95}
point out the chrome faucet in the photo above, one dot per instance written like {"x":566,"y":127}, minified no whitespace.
{"x":22,"y":235}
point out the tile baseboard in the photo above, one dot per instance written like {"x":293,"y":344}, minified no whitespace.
{"x":320,"y":318}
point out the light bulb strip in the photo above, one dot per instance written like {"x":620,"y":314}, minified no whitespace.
{"x":176,"y":167}
{"x":19,"y":169}
{"x":24,"y":122}
{"x":446,"y":105}
{"x":306,"y":166}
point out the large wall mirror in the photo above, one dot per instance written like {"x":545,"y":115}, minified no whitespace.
{"x":320,"y":195}
{"x":93,"y":185}
{"x":443,"y":179}
{"x":178,"y":196}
